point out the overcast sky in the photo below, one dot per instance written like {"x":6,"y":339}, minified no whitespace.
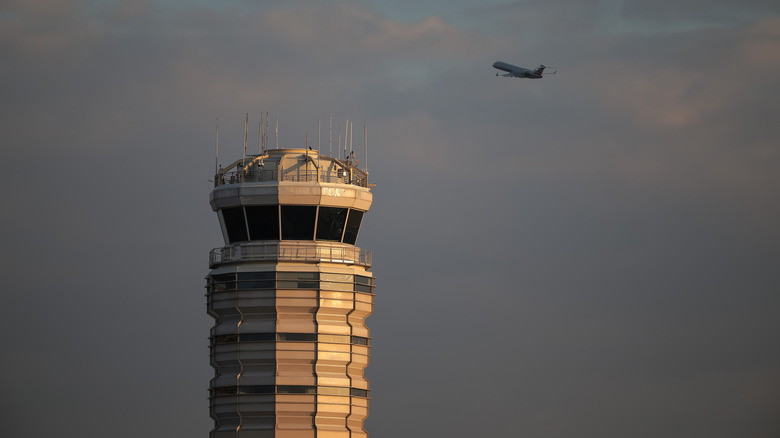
{"x":594,"y":254}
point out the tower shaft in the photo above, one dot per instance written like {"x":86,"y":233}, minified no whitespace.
{"x":289,"y":293}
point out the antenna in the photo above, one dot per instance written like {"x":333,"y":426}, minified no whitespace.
{"x":330,"y":135}
{"x":318,"y":150}
{"x":346,"y":137}
{"x":277,"y":130}
{"x":246,"y":127}
{"x":216,"y":158}
{"x":365,"y":144}
{"x":260,"y":136}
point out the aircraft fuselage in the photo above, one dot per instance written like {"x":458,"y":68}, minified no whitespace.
{"x":518,"y":72}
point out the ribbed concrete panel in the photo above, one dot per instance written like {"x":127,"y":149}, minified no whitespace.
{"x":357,"y":365}
{"x":295,"y":363}
{"x":295,"y":415}
{"x":295,"y":311}
{"x":331,"y":369}
{"x":363,"y":307}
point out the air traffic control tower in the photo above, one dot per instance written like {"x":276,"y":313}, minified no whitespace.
{"x":289,"y":293}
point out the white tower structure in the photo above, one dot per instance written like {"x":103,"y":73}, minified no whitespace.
{"x":289,"y":292}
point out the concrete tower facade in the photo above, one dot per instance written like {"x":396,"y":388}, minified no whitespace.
{"x":289,"y":293}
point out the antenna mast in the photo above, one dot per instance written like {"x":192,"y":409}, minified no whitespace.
{"x":216,"y":158}
{"x":246,"y":127}
{"x":365,"y":143}
{"x":277,"y":130}
{"x":318,"y":150}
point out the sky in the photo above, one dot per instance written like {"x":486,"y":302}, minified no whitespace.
{"x":592,"y":254}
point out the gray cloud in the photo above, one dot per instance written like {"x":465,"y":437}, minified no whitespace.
{"x":591,"y":254}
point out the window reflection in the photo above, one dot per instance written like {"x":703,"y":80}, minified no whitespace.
{"x":330,"y":223}
{"x":261,"y":222}
{"x":353,"y":225}
{"x":363,"y":284}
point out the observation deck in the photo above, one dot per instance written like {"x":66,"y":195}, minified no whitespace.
{"x":291,"y":205}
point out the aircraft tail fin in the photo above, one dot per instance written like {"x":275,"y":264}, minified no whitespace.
{"x":539,"y":70}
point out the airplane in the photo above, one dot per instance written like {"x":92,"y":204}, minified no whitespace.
{"x":519,"y":72}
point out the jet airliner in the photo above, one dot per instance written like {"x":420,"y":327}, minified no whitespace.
{"x":514,"y":71}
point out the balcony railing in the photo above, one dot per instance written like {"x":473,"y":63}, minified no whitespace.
{"x":288,"y":251}
{"x":342,"y":177}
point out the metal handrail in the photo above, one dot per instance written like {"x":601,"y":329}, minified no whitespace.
{"x":241,"y":176}
{"x":289,"y":251}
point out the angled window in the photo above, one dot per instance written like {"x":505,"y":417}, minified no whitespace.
{"x":296,"y":389}
{"x":298,"y":222}
{"x":256,"y":389}
{"x":297,"y":337}
{"x":355,"y":392}
{"x":363,"y":284}
{"x":353,"y":226}
{"x":256,"y":280}
{"x":222,"y":282}
{"x":359,"y":340}
{"x":330,"y":223}
{"x":298,"y":280}
{"x":235,"y":224}
{"x":263,"y":222}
